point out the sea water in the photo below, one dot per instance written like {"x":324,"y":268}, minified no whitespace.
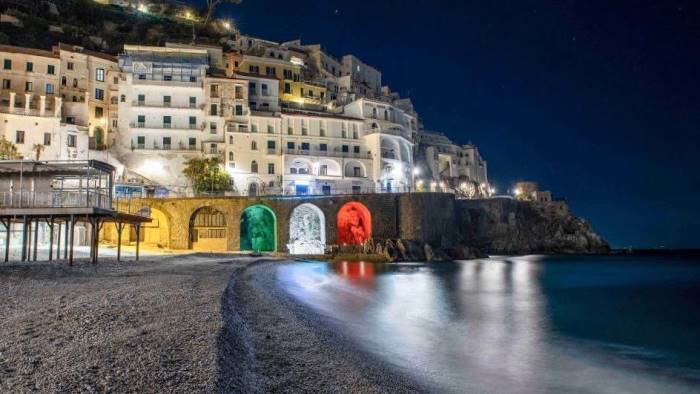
{"x":528,"y":324}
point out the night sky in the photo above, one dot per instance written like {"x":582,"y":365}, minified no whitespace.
{"x":597,"y":101}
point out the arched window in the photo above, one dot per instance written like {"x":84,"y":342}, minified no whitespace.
{"x":123,"y":98}
{"x":254,"y":167}
{"x":230,"y":139}
{"x":253,"y":145}
{"x":230,"y":156}
{"x":386,"y":115}
{"x":113,"y":100}
{"x":75,"y":83}
{"x":374,"y":113}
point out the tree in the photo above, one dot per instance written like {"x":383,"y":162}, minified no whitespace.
{"x":206,"y":175}
{"x":38,"y":148}
{"x":211,"y":7}
{"x":8,"y":150}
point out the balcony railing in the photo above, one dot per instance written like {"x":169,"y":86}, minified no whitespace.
{"x":167,"y":105}
{"x":170,"y":126}
{"x":56,"y":199}
{"x":160,"y":82}
{"x":328,"y":153}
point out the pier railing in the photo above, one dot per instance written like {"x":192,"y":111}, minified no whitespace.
{"x":54,"y":199}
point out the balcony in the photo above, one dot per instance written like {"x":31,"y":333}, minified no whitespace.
{"x":189,"y":106}
{"x":165,"y":126}
{"x":160,"y":82}
{"x":327,"y":153}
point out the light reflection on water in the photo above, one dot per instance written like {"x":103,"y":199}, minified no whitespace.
{"x":496,"y":325}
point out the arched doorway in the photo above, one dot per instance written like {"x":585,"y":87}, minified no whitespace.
{"x":157,"y":232}
{"x":258,"y":229}
{"x":253,"y":189}
{"x":354,"y":224}
{"x":208,"y":230}
{"x":307,"y":230}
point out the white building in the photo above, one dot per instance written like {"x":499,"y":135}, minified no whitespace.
{"x":163,"y":112}
{"x":388,"y":133}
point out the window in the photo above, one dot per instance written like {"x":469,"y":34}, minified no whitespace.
{"x":193,"y":102}
{"x":254,"y":167}
{"x":323,"y":170}
{"x":305,"y":146}
{"x":214,"y":91}
{"x":49,"y":88}
{"x":356,"y":149}
{"x":213,"y":110}
{"x":326,"y":189}
{"x":323,"y":147}
{"x":386,"y":115}
{"x":113,"y":100}
{"x":71,"y":142}
{"x":141,"y":121}
{"x":293,"y":170}
{"x":253,"y":69}
{"x":115,"y":80}
{"x":19,"y":137}
{"x":311,"y":93}
{"x":354,"y":134}
{"x":230,"y":156}
{"x":51,"y":69}
{"x":270,"y":71}
{"x":100,"y":74}
{"x":167,"y":77}
{"x":140,"y":142}
{"x":252,"y":104}
{"x":63,"y":81}
{"x":270,"y":168}
{"x":193,"y":122}
{"x":239,"y":110}
{"x":290,"y":145}
{"x":302,"y":92}
{"x":253,"y":145}
{"x":193,"y":78}
{"x":251,"y":88}
{"x":47,"y":139}
{"x":287,"y":75}
{"x":290,"y":129}
{"x":287,"y":88}
{"x":167,"y":121}
{"x":99,"y":112}
{"x":230,"y":139}
{"x":99,"y":94}
{"x":6,"y":84}
{"x":166,"y":142}
{"x":70,"y":119}
{"x":75,"y":82}
{"x":142,"y":76}
{"x":30,"y":66}
{"x":263,"y":88}
{"x":7,"y":64}
{"x":28,"y":86}
{"x":374,"y":113}
{"x":357,"y":171}
{"x":270,"y":129}
{"x":115,"y":124}
{"x":69,"y":65}
{"x":166,"y":101}
{"x":141,"y":99}
{"x":253,"y":128}
{"x":192,"y":143}
{"x":345,"y":149}
{"x":238,"y":92}
{"x":212,"y":128}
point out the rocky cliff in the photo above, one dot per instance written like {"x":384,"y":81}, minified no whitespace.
{"x":506,"y":226}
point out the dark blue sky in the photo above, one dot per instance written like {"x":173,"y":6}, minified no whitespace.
{"x":597,"y":101}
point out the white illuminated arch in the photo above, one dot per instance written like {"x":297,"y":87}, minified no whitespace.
{"x":307,"y":230}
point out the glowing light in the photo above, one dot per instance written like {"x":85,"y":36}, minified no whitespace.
{"x":143,"y":8}
{"x":416,"y":171}
{"x":227,"y":25}
{"x":492,"y":191}
{"x":354,"y":224}
{"x":296,"y":60}
{"x":517,"y":192}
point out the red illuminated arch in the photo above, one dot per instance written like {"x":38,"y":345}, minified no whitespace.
{"x":354,"y":224}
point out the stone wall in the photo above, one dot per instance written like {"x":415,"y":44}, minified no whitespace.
{"x":448,"y":225}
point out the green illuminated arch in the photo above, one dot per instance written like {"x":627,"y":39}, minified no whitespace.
{"x":258,"y":229}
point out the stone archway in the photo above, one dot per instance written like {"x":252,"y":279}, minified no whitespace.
{"x":157,"y":232}
{"x":354,"y":224}
{"x":258,"y":229}
{"x":208,"y":230}
{"x":307,"y":230}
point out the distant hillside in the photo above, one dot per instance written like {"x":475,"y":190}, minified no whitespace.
{"x":95,"y":26}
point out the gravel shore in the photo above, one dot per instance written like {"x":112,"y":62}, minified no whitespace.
{"x":177,"y":324}
{"x":270,"y":343}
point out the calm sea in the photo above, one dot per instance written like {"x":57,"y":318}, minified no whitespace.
{"x":528,"y":324}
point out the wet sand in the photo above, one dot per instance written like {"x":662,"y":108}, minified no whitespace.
{"x":196,"y":323}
